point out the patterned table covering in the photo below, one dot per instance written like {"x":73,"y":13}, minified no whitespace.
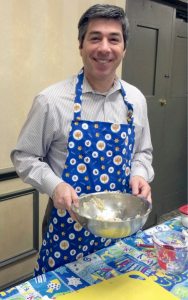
{"x":126,"y":255}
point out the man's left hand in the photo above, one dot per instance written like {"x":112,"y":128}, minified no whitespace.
{"x":140,"y":187}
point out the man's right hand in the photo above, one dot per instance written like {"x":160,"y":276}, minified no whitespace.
{"x":63,"y":196}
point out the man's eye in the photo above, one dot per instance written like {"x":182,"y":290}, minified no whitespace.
{"x":114,"y":41}
{"x":94,"y":38}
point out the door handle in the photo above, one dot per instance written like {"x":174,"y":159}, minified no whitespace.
{"x":162,"y":101}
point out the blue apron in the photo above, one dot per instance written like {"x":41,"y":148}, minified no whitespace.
{"x":99,"y":158}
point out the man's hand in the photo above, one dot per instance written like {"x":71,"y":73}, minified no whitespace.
{"x":140,"y":187}
{"x":63,"y":196}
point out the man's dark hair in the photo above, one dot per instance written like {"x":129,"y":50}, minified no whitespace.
{"x":104,"y":11}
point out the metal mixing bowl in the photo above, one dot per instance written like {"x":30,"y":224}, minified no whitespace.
{"x":112,"y":214}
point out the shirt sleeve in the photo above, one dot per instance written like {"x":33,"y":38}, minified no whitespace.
{"x":142,"y":154}
{"x":33,"y":144}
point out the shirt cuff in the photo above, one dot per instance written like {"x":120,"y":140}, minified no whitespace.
{"x":140,"y":172}
{"x":50,"y":182}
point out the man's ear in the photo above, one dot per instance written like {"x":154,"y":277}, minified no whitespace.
{"x":80,"y":50}
{"x":124,"y":52}
{"x":80,"y":45}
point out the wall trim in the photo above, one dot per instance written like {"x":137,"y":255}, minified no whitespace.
{"x":7,"y":174}
{"x":35,"y":246}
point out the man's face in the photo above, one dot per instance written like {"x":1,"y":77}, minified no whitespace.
{"x":102,"y":49}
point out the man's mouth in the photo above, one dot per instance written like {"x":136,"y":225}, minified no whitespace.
{"x":102,"y":60}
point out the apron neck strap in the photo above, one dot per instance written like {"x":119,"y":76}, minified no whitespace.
{"x":78,"y":99}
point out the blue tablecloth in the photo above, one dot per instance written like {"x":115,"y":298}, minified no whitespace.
{"x":126,"y":255}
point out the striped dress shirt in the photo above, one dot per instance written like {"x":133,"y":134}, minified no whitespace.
{"x":41,"y":150}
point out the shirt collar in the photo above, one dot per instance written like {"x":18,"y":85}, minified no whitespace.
{"x":88,"y":89}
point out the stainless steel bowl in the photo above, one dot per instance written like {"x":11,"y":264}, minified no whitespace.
{"x":112,"y":214}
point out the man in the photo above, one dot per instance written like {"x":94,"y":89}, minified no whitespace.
{"x":87,"y":134}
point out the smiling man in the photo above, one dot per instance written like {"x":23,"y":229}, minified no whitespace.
{"x":87,"y":134}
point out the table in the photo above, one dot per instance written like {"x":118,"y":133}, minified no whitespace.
{"x":126,"y":255}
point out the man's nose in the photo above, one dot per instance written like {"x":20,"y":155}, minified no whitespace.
{"x":104,"y":45}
